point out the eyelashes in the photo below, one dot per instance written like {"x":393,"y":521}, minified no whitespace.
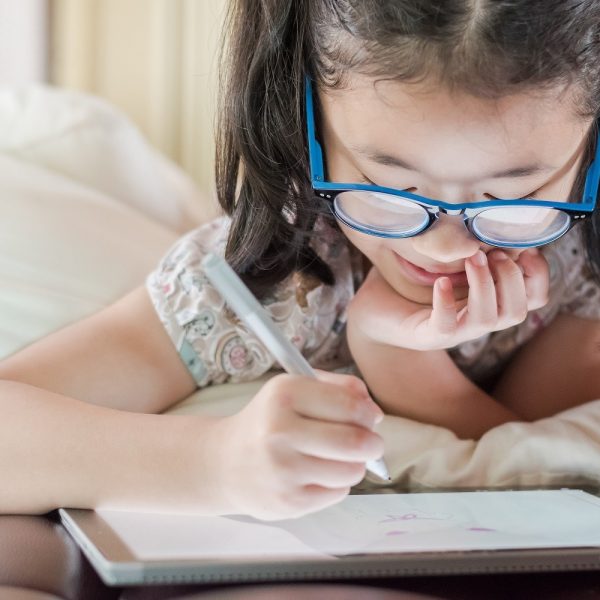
{"x":369,"y":182}
{"x":524,"y":197}
{"x":365,"y":179}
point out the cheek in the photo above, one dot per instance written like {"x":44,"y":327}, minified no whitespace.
{"x":380,"y":251}
{"x":367,"y":244}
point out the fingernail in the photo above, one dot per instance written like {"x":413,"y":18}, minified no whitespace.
{"x":444,"y":284}
{"x":499,"y":255}
{"x":376,"y":414}
{"x":479,"y":259}
{"x":532,"y":251}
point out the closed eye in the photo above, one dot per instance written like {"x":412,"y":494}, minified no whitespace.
{"x":526,"y":197}
{"x":531,"y":195}
{"x":369,"y":182}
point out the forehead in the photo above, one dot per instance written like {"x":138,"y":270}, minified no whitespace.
{"x":424,"y":123}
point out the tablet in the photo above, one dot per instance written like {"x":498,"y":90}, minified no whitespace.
{"x":364,"y":536}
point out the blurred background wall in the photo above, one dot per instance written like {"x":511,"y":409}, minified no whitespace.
{"x":23,"y":41}
{"x":154,"y":59}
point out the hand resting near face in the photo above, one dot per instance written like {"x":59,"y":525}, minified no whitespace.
{"x":501,"y":293}
{"x":399,"y":345}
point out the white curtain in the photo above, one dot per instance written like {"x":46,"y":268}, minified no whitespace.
{"x":155,"y":59}
{"x":23,"y":41}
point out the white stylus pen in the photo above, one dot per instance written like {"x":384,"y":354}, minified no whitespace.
{"x":249,"y":310}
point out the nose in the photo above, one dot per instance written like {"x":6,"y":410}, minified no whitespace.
{"x":447,"y":240}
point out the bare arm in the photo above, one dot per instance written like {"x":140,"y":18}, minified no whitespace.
{"x":68,"y":436}
{"x":57,"y":451}
{"x":65,"y":438}
{"x":559,"y":368}
{"x":120,"y":358}
{"x":425,"y":386}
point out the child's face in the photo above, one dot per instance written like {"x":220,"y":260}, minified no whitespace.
{"x":452,"y":148}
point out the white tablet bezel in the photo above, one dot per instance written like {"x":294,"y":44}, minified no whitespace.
{"x":116,"y":565}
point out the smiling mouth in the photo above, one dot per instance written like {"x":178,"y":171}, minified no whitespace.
{"x":424,"y":277}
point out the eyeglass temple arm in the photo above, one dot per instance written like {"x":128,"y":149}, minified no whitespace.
{"x":592,"y":180}
{"x":314,"y":148}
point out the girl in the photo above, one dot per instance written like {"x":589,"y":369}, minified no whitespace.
{"x":433,"y":130}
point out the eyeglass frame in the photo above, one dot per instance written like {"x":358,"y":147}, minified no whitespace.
{"x":328,"y":190}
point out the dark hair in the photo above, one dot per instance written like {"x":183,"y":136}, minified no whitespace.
{"x":488,"y":48}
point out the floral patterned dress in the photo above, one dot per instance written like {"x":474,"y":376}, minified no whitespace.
{"x":216,"y":347}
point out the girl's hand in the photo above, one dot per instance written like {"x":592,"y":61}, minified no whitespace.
{"x":501,"y":293}
{"x":298,"y":446}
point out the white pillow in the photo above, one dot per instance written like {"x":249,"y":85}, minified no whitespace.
{"x":87,"y":208}
{"x":89,"y":141}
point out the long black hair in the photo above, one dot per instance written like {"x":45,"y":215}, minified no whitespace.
{"x":488,"y":48}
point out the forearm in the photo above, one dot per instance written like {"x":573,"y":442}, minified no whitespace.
{"x":557,"y":369}
{"x":56,"y":451}
{"x":425,"y":386}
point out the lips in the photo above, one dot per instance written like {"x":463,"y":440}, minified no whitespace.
{"x":424,"y":277}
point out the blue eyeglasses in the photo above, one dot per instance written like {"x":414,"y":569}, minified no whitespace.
{"x":391,"y":213}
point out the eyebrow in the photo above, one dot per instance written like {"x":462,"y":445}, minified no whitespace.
{"x":393,"y":161}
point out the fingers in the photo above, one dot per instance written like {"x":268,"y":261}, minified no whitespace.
{"x":329,"y":473}
{"x":482,"y":304}
{"x":338,"y":398}
{"x":333,"y":441}
{"x":348,"y":382}
{"x":510,"y":290}
{"x":321,"y":419}
{"x":443,"y":314}
{"x":536,"y":276}
{"x":502,"y":291}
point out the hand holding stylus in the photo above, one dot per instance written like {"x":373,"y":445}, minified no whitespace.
{"x":316,"y":433}
{"x":297,"y":447}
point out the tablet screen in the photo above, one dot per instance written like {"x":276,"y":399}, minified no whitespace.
{"x":373,"y":524}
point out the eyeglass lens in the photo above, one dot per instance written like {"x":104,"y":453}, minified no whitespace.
{"x":387,"y":214}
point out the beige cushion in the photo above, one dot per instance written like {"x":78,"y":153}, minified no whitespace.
{"x":87,"y":140}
